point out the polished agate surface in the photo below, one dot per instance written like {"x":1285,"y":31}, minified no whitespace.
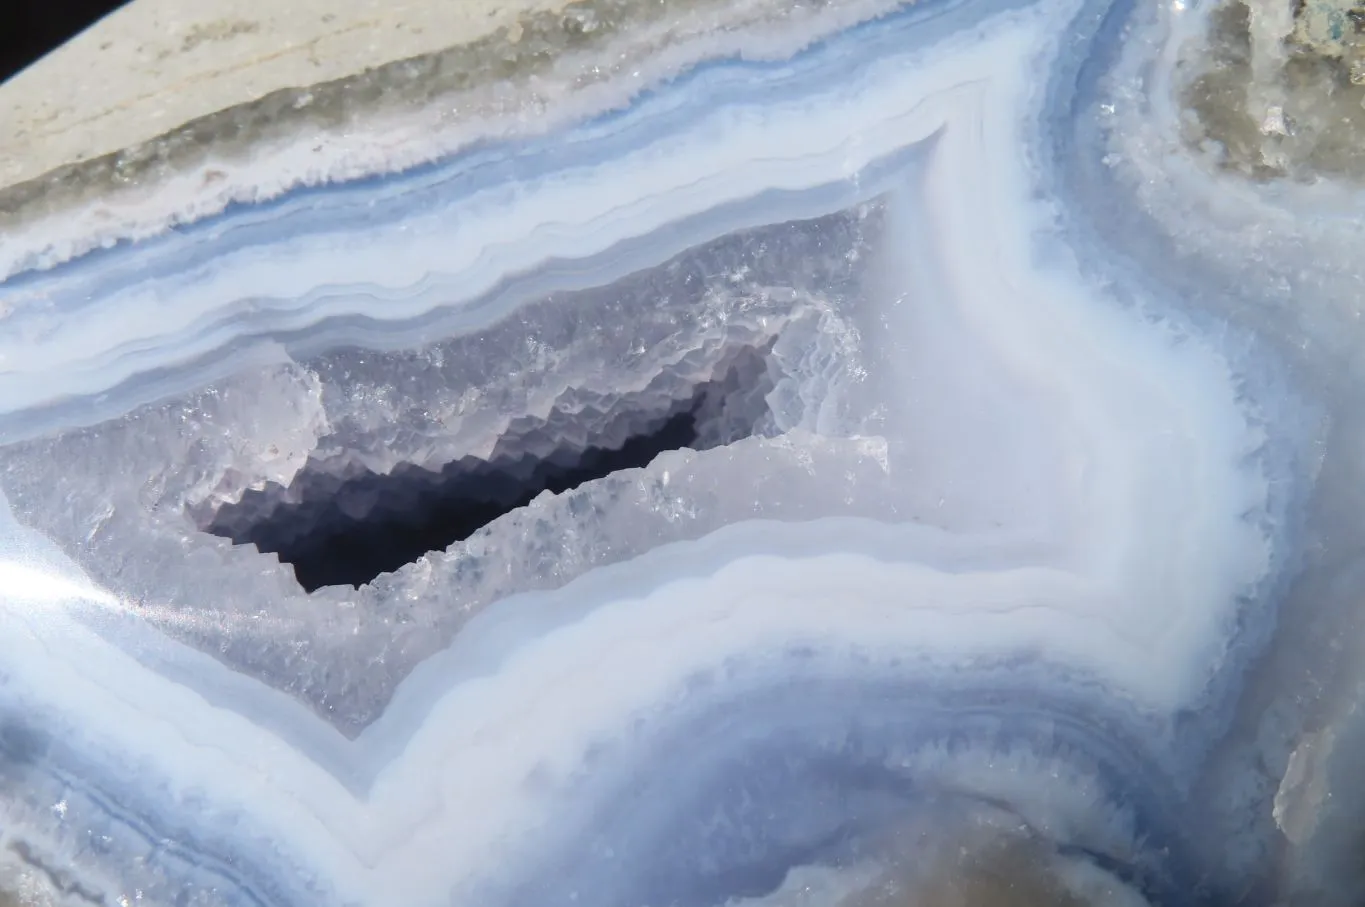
{"x":886,"y":455}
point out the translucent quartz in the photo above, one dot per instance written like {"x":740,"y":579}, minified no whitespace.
{"x":1014,"y":548}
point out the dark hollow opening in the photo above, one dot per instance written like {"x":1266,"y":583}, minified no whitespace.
{"x":351,"y":531}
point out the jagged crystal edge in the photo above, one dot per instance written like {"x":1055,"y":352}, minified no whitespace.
{"x":145,"y":545}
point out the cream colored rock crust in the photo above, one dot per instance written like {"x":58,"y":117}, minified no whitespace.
{"x":157,"y":64}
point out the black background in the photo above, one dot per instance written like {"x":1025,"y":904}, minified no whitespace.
{"x":30,"y":28}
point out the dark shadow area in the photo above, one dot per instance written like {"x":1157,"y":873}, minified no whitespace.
{"x":29,"y":28}
{"x":415,"y":511}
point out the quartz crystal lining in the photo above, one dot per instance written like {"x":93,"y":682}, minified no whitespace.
{"x":338,"y":524}
{"x":998,"y":541}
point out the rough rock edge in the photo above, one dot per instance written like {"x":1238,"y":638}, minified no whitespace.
{"x":517,"y":52}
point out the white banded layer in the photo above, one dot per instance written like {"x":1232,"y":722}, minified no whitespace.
{"x":866,"y":481}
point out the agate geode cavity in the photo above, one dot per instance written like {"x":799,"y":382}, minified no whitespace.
{"x":869,"y":456}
